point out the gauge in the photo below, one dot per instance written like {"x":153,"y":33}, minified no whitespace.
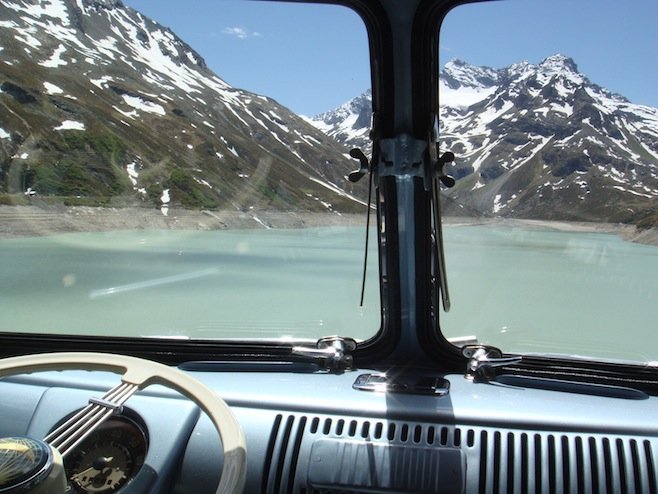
{"x":108,"y":459}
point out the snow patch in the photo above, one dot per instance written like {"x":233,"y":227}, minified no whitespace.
{"x":336,"y":190}
{"x":130,"y":114}
{"x":71,"y":125}
{"x":478,"y":184}
{"x":259,"y":221}
{"x":200,"y":181}
{"x":56,"y":59}
{"x":165,"y":199}
{"x":52,"y":89}
{"x":565,"y":108}
{"x":102,"y":82}
{"x":133,"y":175}
{"x":496,"y":205}
{"x":463,"y":97}
{"x":143,"y":105}
{"x":630,"y":191}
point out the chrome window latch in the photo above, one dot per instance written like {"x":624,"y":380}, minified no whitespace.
{"x":483,"y":361}
{"x":335,"y":352}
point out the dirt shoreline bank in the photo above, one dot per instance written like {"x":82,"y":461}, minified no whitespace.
{"x":24,"y":221}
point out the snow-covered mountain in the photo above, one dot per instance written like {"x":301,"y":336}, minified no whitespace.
{"x":99,"y":101}
{"x":540,"y":141}
{"x":349,"y":123}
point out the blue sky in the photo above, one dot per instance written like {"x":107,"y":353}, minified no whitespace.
{"x":614,"y":43}
{"x":256,"y":46}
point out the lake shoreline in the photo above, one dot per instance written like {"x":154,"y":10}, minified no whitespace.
{"x":629,"y":233}
{"x":30,"y":221}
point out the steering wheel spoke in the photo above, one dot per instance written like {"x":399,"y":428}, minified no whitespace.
{"x":76,"y":429}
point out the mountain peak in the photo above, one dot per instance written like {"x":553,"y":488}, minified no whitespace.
{"x":105,"y":4}
{"x":457,"y":63}
{"x":457,"y":73}
{"x":559,"y":62}
{"x":350,"y":122}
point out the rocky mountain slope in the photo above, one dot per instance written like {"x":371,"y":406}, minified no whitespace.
{"x":538,"y":141}
{"x":100,"y":105}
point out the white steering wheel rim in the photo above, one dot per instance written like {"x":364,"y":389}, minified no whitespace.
{"x":144,"y":373}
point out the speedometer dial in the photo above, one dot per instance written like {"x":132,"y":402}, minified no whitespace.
{"x":108,"y":459}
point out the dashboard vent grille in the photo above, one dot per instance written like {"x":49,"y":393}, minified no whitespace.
{"x":497,"y":460}
{"x":510,"y":461}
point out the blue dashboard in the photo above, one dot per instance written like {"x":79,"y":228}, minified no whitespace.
{"x":313,"y":432}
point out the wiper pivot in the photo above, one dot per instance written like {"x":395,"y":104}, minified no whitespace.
{"x":483,"y":361}
{"x":334,"y":352}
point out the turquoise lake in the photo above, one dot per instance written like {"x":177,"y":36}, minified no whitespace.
{"x":523,"y":290}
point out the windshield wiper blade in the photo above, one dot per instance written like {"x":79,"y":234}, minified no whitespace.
{"x":354,"y":177}
{"x":488,"y":364}
{"x":438,"y":176}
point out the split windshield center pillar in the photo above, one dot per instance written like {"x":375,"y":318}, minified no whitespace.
{"x":402,"y":167}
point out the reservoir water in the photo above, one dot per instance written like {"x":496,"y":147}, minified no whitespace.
{"x":199,"y":284}
{"x":528,"y":290}
{"x":523,"y":290}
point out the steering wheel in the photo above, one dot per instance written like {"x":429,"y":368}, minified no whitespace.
{"x":137,"y":374}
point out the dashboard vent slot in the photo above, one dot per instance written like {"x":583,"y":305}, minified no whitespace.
{"x":283,"y":453}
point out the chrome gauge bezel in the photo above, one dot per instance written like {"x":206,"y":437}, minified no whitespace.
{"x":125,"y":436}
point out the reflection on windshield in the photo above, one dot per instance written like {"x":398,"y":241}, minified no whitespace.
{"x":551,"y":242}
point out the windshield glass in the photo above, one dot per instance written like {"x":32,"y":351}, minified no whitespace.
{"x":550,"y":109}
{"x":181,"y":172}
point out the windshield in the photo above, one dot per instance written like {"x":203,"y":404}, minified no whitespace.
{"x":183,"y":173}
{"x":177,"y":172}
{"x":551,"y":111}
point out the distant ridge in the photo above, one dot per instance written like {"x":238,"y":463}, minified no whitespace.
{"x":532,"y":138}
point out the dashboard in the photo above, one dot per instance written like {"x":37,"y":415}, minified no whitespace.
{"x":315,"y":433}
